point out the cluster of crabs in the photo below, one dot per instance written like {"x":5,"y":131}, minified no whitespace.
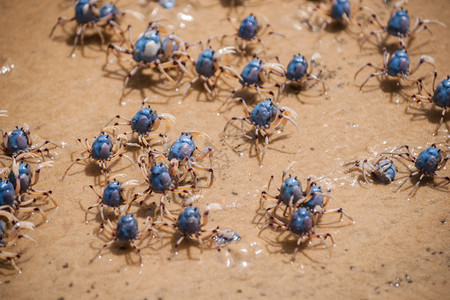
{"x":268,"y":78}
{"x":168,"y":171}
{"x":171,"y":56}
{"x":174,"y":169}
{"x":302,"y":209}
{"x":177,"y":171}
{"x":397,"y":66}
{"x":19,"y":198}
{"x":174,"y":173}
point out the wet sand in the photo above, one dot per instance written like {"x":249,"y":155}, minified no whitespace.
{"x":396,"y":248}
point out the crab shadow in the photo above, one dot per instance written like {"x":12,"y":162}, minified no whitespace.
{"x":119,"y":248}
{"x":7,"y":269}
{"x":243,"y":56}
{"x":116,"y":249}
{"x":390,"y":86}
{"x":391,"y":46}
{"x":144,"y":78}
{"x":286,"y":243}
{"x":250,"y":96}
{"x":240,"y":143}
{"x":303,"y":91}
{"x":198,"y":91}
{"x":91,"y":41}
{"x":188,"y":245}
{"x":428,"y":181}
{"x":146,"y":209}
{"x":336,"y":27}
{"x":230,"y":3}
{"x":432,"y":114}
{"x":92,"y":169}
